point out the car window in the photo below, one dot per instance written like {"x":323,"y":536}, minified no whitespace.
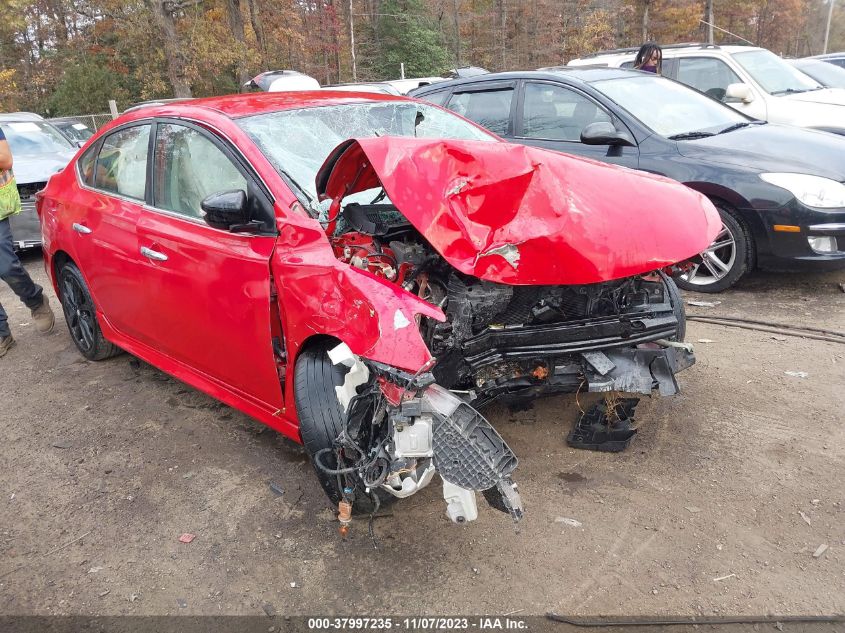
{"x":122,"y":162}
{"x":668,"y":107}
{"x":773,"y":74}
{"x":189,"y":168}
{"x":489,"y":108}
{"x":86,"y":165}
{"x":826,"y":74}
{"x":557,"y":113}
{"x":437,"y":98}
{"x":707,"y":74}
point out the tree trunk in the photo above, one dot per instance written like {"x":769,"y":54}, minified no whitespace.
{"x":503,"y":17}
{"x":457,"y":17}
{"x":709,"y":18}
{"x":258,"y":29}
{"x":236,"y":26}
{"x":645,"y":20}
{"x":172,"y":48}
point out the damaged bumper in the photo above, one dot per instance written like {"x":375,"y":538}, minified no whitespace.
{"x":643,"y":369}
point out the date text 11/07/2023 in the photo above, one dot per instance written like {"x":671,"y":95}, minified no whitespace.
{"x":481,"y":623}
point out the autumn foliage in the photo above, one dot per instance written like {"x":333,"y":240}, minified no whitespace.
{"x":63,"y":57}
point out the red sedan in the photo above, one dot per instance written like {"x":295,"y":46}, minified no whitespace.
{"x":363,"y":273}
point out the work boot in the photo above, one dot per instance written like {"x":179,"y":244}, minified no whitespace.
{"x":6,"y":343}
{"x":43,"y":317}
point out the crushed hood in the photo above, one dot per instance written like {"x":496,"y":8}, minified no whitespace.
{"x":522,"y":215}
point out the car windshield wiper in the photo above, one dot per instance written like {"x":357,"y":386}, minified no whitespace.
{"x":685,"y":136}
{"x":311,"y":204}
{"x":792,"y":91}
{"x":735,"y":126}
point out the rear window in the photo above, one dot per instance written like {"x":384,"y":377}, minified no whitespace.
{"x":86,"y":165}
{"x":122,"y":162}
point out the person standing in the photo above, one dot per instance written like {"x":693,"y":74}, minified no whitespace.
{"x":649,"y":58}
{"x":11,"y":269}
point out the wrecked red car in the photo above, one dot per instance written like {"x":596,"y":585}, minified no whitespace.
{"x":364,"y":274}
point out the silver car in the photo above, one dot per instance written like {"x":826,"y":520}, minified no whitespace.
{"x":39,"y":150}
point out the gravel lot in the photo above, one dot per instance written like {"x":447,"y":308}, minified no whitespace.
{"x":716,"y":508}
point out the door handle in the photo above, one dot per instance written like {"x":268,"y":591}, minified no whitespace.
{"x":81,"y":228}
{"x":151,"y":254}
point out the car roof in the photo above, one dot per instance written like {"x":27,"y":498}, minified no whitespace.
{"x":574,"y":74}
{"x":839,"y":55}
{"x":20,"y":116}
{"x":239,"y":105}
{"x":672,"y":49}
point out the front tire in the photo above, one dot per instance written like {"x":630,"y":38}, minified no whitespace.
{"x":725,"y":261}
{"x":321,"y":419}
{"x":81,"y":315}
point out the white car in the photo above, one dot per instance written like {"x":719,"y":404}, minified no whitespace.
{"x":752,"y":80}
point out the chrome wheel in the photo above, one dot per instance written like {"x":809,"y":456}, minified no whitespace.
{"x":716,"y":262}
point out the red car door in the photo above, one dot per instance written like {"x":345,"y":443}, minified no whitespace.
{"x":207,"y":291}
{"x":102,"y":216}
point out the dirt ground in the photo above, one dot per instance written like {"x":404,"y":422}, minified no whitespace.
{"x":105,"y":465}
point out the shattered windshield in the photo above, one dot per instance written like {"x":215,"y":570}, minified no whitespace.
{"x":297,"y":142}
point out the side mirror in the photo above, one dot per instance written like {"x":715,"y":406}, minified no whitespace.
{"x":227,"y":210}
{"x":604,"y":133}
{"x":738,"y":92}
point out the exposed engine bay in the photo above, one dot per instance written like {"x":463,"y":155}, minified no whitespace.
{"x":499,"y":343}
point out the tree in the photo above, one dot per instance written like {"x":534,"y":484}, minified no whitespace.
{"x":86,"y":87}
{"x":405,"y":35}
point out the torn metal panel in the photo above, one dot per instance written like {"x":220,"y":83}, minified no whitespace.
{"x":641,"y":370}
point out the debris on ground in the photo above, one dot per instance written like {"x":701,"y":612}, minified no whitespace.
{"x":103,"y":594}
{"x":842,"y":287}
{"x":721,"y":578}
{"x":269,"y":609}
{"x":133,"y":597}
{"x":183,"y":604}
{"x":805,"y":517}
{"x":797,"y":374}
{"x":293,"y":585}
{"x":703,"y":304}
{"x":820,"y":550}
{"x":606,"y":426}
{"x":61,"y":444}
{"x":277,"y":489}
{"x":706,"y":340}
{"x":187,"y":538}
{"x":692,"y":509}
{"x":568,"y":521}
{"x":778,"y":338}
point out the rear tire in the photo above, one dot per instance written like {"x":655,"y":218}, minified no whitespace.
{"x":81,"y":316}
{"x":725,"y":261}
{"x":321,"y":419}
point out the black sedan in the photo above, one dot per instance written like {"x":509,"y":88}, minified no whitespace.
{"x":779,"y":189}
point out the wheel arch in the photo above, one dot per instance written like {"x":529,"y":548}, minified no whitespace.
{"x":741,"y":209}
{"x":58,"y":261}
